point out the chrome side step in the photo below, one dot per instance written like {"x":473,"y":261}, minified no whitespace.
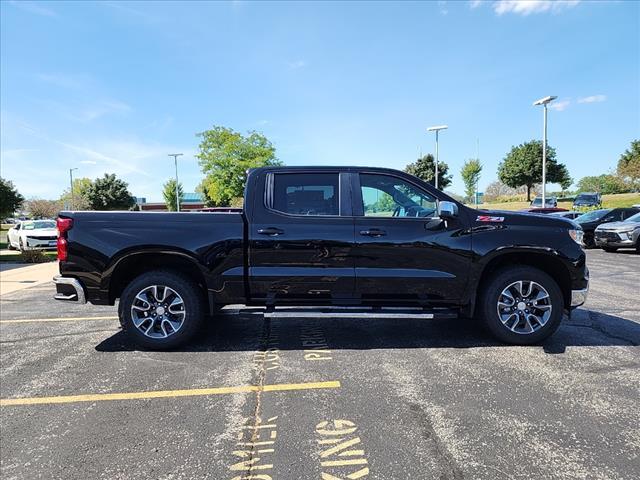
{"x":348,"y":312}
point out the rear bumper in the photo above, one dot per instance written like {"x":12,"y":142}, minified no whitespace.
{"x":69,"y":289}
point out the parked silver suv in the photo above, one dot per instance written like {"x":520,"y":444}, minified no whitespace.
{"x":614,"y":235}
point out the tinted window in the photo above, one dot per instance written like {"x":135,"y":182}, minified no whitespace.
{"x":306,"y":193}
{"x":386,"y":196}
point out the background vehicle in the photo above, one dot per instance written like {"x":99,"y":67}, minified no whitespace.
{"x":566,"y":214}
{"x":614,"y":235}
{"x":32,"y":234}
{"x":549,"y":202}
{"x":326,"y":236}
{"x":587,"y":199}
{"x":590,"y":220}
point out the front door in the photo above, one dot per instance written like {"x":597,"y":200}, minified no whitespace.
{"x":300,"y":242}
{"x":403,"y":250}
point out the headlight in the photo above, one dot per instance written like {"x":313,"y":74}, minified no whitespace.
{"x":576,"y":235}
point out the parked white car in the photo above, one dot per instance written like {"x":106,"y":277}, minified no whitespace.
{"x":32,"y":234}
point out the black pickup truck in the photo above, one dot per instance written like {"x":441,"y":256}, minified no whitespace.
{"x":343,"y":237}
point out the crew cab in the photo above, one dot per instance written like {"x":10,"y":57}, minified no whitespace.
{"x":357,"y":237}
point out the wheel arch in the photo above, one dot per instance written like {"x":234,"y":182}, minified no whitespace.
{"x":547,"y":262}
{"x":134,"y":264}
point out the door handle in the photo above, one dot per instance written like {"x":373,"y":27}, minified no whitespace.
{"x":271,"y":231}
{"x":374,"y":232}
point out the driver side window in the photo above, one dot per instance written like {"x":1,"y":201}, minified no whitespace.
{"x":387,"y":196}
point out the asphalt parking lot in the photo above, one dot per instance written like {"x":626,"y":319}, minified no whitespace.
{"x":286,"y":398}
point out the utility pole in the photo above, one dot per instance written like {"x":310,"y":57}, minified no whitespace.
{"x":478,"y":159}
{"x":71,"y":186}
{"x":175,"y":159}
{"x":544,"y":102}
{"x":437,"y":129}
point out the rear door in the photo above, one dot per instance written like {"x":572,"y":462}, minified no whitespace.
{"x":403,"y":251}
{"x":301,"y":238}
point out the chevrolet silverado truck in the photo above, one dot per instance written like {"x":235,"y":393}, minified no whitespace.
{"x":355,"y":239}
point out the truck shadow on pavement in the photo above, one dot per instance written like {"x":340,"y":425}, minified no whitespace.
{"x":240,"y":332}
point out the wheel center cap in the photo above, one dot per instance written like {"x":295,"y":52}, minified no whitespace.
{"x":521,"y":306}
{"x":160,"y":310}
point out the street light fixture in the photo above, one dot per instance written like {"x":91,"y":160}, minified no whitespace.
{"x":175,"y":159}
{"x":71,"y":185}
{"x":544,"y":102}
{"x":437,"y":129}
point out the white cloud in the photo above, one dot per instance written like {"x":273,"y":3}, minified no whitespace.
{"x":297,"y":64}
{"x":442,"y":7}
{"x":475,"y":3}
{"x":592,"y":99}
{"x":560,"y":105}
{"x":34,"y":7}
{"x":64,"y":80}
{"x":101,"y":109}
{"x":88,"y":162}
{"x":527,"y":7}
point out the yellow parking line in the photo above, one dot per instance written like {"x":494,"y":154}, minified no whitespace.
{"x":101,"y":397}
{"x":62,"y":319}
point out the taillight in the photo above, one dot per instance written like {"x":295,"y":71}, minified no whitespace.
{"x":63,"y":225}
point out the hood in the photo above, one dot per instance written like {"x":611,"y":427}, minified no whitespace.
{"x":45,"y":232}
{"x":509,"y":217}
{"x":617,"y":226}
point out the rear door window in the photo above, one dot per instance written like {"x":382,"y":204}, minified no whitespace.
{"x":315,"y":194}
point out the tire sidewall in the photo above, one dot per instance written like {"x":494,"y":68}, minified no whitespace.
{"x":193,"y":302}
{"x":493,"y":290}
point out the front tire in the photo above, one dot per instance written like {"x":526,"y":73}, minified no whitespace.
{"x":161,"y":309}
{"x":610,"y":249}
{"x":521,"y":305}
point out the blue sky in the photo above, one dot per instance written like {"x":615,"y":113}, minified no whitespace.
{"x":115,"y":87}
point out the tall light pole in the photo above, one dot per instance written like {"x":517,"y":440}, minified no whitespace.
{"x":437,"y":129}
{"x":175,"y":159}
{"x":544,"y":102}
{"x":71,"y":186}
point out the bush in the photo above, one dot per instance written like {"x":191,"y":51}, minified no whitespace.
{"x":34,"y":256}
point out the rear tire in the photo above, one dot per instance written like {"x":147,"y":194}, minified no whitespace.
{"x":161,"y":309}
{"x":610,"y":249}
{"x":534,"y":311}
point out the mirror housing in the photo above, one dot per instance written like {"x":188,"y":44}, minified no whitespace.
{"x":447,"y":210}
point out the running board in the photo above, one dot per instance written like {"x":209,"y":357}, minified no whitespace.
{"x":359,"y":312}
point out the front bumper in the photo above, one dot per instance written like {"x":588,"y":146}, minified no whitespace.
{"x":578,"y":297}
{"x":69,"y":289}
{"x":44,"y":243}
{"x":609,"y":242}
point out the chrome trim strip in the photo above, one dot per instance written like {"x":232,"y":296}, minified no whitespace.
{"x":80,"y":296}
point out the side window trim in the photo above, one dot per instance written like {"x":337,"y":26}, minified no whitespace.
{"x":270,"y":186}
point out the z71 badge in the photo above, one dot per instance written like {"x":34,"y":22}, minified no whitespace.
{"x":489,"y":218}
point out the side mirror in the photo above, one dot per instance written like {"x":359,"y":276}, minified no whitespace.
{"x":447,"y":210}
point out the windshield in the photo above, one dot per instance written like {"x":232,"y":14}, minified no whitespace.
{"x":38,"y":224}
{"x":635,"y":218}
{"x":592,"y":216}
{"x":587,"y":198}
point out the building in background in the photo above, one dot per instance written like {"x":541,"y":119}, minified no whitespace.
{"x":190,"y":201}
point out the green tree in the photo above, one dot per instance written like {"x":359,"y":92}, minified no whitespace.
{"x":523,"y":166}
{"x":470,"y":176}
{"x":109,"y":193}
{"x":10,"y":198}
{"x":80,"y":200}
{"x":605,"y":184}
{"x":629,"y":165}
{"x":169,"y":194}
{"x":225,"y":156}
{"x":425,"y":167}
